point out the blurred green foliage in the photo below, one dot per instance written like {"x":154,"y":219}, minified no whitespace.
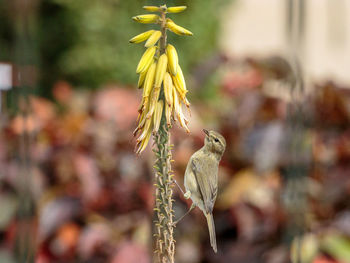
{"x":86,"y":41}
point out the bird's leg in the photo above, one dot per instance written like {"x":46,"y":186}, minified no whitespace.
{"x":187,"y":195}
{"x":179,"y":187}
{"x":189,"y":210}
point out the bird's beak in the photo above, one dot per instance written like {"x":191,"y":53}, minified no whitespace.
{"x":206,"y":132}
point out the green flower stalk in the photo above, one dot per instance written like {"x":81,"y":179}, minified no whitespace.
{"x":164,"y":93}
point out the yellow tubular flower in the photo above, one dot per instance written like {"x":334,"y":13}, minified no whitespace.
{"x":157,"y":116}
{"x":141,"y":144}
{"x":178,"y":112}
{"x":181,"y":79}
{"x":144,"y":143}
{"x":146,"y":59}
{"x":168,"y":89}
{"x":153,"y":38}
{"x":141,"y":118}
{"x":141,"y":37}
{"x":141,"y":79}
{"x":153,"y":102}
{"x":159,"y":73}
{"x":146,"y":128}
{"x":177,"y":103}
{"x":177,"y":29}
{"x":180,"y":92}
{"x":152,"y":8}
{"x":161,"y":69}
{"x":172,"y":58}
{"x":179,"y":83}
{"x":143,"y":114}
{"x":141,"y":106}
{"x":176,"y":9}
{"x":146,"y":19}
{"x":149,"y":80}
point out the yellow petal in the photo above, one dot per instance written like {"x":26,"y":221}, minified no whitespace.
{"x":141,"y":79}
{"x":161,"y":69}
{"x":146,"y":19}
{"x":142,"y":37}
{"x":157,"y":116}
{"x":152,"y":8}
{"x":153,"y":101}
{"x":144,"y":143}
{"x":177,"y":29}
{"x":146,"y":59}
{"x":149,"y":80}
{"x":168,"y":89}
{"x":172,"y":58}
{"x":153,"y":39}
{"x":176,"y":9}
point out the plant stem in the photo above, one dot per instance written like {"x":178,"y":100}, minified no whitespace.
{"x":164,"y":243}
{"x":163,"y":30}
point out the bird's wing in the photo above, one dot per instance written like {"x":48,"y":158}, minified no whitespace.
{"x":206,"y":176}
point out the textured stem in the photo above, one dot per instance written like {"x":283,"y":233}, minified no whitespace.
{"x":164,"y":243}
{"x":163,"y":30}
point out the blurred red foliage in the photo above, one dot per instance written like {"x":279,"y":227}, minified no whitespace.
{"x":95,"y":198}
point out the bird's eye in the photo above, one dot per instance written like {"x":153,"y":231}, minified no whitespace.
{"x":216,"y":140}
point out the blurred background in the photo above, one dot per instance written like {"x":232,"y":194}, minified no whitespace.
{"x":272,"y":76}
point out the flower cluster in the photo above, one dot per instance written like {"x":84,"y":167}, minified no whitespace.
{"x":160,"y":75}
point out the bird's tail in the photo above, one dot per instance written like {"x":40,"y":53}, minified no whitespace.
{"x":211,"y":228}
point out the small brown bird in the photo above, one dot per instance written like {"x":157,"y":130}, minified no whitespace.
{"x":201,"y":178}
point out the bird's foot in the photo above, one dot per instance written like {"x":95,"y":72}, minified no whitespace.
{"x":187,"y":195}
{"x":189,"y":210}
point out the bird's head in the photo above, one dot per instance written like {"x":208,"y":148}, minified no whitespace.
{"x":214,"y":142}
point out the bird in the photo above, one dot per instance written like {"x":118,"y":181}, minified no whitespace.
{"x":201,"y":178}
